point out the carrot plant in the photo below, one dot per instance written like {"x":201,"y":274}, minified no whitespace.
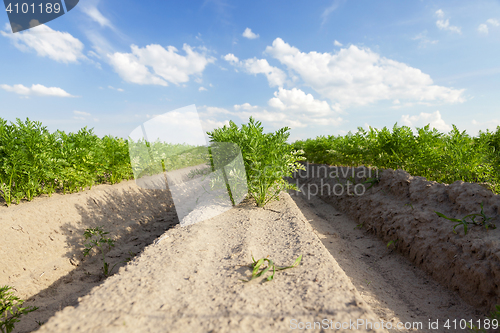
{"x":441,"y":157}
{"x":11,"y":309}
{"x":34,"y":161}
{"x":267,"y":157}
{"x":98,"y":239}
{"x":470,"y":219}
{"x":257,"y":265}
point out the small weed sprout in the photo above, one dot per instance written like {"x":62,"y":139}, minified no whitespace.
{"x":11,"y":310}
{"x":470,"y":219}
{"x":392,"y":242}
{"x":99,"y":242}
{"x":371,"y":181}
{"x":359,"y":226}
{"x":256,"y":265}
{"x":410,"y":205}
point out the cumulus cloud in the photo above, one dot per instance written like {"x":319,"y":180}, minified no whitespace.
{"x":359,"y":76}
{"x":166,"y":64}
{"x":484,"y":27}
{"x":202,"y":89}
{"x":275,"y":76}
{"x":337,"y":43}
{"x":297,"y":100}
{"x":493,"y":22}
{"x":434,"y":119}
{"x":445,"y":25}
{"x":440,"y":13}
{"x":56,"y":45}
{"x":249,"y":34}
{"x":231,"y":58}
{"x":245,"y":106}
{"x":35,"y":90}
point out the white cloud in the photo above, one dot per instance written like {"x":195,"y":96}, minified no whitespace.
{"x":249,"y":34}
{"x":440,"y":13}
{"x":434,"y":119}
{"x":483,"y":28}
{"x":89,"y":8}
{"x":445,"y":25}
{"x":231,"y":58}
{"x":35,"y":90}
{"x":209,"y":125}
{"x":293,"y":118}
{"x":424,"y":41}
{"x":275,"y":76}
{"x":245,"y":106}
{"x":337,"y":43}
{"x":117,"y":89}
{"x":297,"y":100}
{"x":81,"y":113}
{"x":493,"y":22}
{"x":202,"y":89}
{"x":335,"y":4}
{"x":166,"y":64}
{"x":359,"y":76}
{"x":56,"y":45}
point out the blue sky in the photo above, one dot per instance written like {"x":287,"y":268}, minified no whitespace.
{"x":318,"y":67}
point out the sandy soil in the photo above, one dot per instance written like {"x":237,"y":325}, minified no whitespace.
{"x":187,"y":279}
{"x":42,"y":242}
{"x":401,"y":208}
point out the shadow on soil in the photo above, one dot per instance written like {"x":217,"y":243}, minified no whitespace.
{"x":153,"y":214}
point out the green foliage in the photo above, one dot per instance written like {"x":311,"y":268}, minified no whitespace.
{"x":34,"y":161}
{"x":268,"y":158}
{"x":444,"y":158}
{"x":98,"y":241}
{"x":470,"y":219}
{"x":256,"y":265}
{"x":151,"y":158}
{"x":11,"y":309}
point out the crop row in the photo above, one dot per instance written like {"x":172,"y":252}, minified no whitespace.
{"x":34,"y":161}
{"x":437,"y":156}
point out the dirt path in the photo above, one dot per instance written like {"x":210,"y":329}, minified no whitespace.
{"x":191,"y":281}
{"x":396,"y":290}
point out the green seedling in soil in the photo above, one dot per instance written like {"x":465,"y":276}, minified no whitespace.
{"x":371,"y":181}
{"x":470,"y":219}
{"x":410,"y":206}
{"x":494,"y":318}
{"x":256,"y":265}
{"x":359,"y":226}
{"x":11,"y":310}
{"x":392,"y":242}
{"x":99,"y":242}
